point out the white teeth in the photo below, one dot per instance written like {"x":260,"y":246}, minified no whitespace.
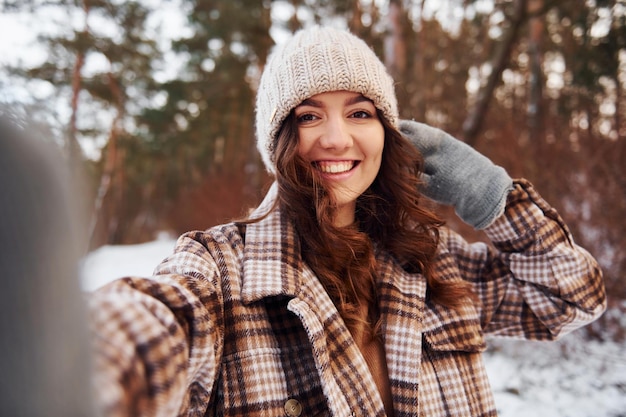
{"x":335,"y":167}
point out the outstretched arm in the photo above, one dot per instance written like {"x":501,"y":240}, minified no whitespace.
{"x":158,"y":340}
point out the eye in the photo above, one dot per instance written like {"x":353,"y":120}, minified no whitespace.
{"x":306,"y":117}
{"x":361,"y":114}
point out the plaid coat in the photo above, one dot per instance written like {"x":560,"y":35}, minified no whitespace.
{"x":235,"y":324}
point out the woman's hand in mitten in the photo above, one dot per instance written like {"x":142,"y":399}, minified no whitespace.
{"x":456,"y":174}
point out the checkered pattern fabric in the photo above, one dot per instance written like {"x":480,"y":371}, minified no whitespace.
{"x":233,"y":323}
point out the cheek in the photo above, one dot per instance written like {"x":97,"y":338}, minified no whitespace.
{"x":377,"y":143}
{"x":304,"y":145}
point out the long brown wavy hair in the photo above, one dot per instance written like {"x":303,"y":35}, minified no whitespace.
{"x":390,"y":216}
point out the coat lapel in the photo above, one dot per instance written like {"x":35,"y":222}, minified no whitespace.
{"x":272,"y":262}
{"x":347,"y":380}
{"x":402,"y":308}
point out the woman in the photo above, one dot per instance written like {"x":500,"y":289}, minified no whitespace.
{"x":342,"y":294}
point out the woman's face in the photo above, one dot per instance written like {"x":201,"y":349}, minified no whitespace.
{"x":342,"y":137}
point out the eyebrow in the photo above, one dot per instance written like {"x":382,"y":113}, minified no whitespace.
{"x":350,"y":101}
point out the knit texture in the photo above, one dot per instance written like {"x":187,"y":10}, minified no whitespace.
{"x":456,"y":174}
{"x":317,"y":60}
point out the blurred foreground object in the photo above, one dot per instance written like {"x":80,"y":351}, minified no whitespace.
{"x":44,"y":346}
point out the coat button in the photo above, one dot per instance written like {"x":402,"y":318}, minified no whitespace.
{"x":293,"y":408}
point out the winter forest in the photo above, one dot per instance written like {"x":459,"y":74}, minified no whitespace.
{"x":152,"y":102}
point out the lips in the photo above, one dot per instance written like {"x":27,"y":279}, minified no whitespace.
{"x":335,"y":167}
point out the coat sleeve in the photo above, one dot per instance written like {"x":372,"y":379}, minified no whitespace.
{"x":533,"y":282}
{"x":158,"y":340}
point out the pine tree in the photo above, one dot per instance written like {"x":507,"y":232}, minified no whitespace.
{"x":104,"y":101}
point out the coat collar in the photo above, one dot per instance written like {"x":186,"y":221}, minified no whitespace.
{"x":272,"y":263}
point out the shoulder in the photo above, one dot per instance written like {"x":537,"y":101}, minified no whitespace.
{"x":204,"y":252}
{"x":228,"y":235}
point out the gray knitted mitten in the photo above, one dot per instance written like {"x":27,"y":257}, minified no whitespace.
{"x":455,"y":174}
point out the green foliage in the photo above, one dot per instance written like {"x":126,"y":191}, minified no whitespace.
{"x":193,"y":129}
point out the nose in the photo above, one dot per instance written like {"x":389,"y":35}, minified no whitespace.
{"x":336,"y":135}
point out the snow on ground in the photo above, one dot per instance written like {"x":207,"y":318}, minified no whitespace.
{"x":573,"y":377}
{"x":110,"y":262}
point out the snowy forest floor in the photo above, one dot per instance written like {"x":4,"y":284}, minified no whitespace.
{"x":577,"y":376}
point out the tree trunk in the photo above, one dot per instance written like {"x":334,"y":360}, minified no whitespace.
{"x":418,"y":99}
{"x":476,"y":115}
{"x":73,"y":147}
{"x":395,"y":50}
{"x":534,"y":110}
{"x":294,"y":21}
{"x":111,"y":176}
{"x":356,"y":24}
{"x":395,"y":45}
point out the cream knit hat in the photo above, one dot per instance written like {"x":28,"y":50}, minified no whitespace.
{"x":314,"y":61}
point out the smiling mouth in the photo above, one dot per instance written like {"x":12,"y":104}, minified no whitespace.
{"x":335,"y":167}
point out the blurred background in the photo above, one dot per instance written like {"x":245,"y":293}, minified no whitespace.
{"x":152,"y":101}
{"x":152,"y":104}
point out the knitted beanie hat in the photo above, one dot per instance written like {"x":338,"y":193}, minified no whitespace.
{"x":317,"y":60}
